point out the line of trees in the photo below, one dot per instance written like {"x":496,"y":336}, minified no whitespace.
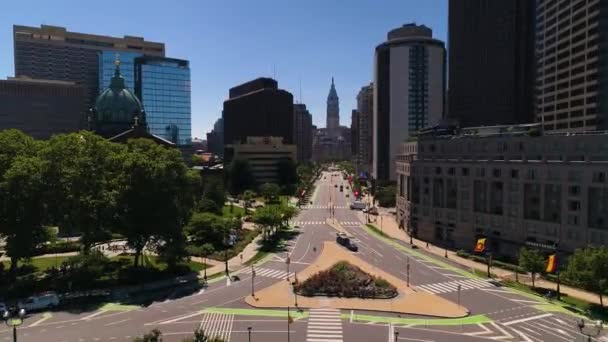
{"x":586,"y":268}
{"x":86,"y":184}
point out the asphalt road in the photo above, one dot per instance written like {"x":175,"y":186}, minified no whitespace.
{"x":496,"y":313}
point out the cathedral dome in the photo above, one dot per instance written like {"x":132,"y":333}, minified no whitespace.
{"x":116,"y":104}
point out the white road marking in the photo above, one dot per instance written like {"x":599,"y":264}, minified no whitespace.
{"x":118,"y":322}
{"x":93,"y":315}
{"x":522,"y":335}
{"x":44,"y":318}
{"x":485,"y":330}
{"x":527,"y":319}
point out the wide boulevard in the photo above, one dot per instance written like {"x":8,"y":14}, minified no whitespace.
{"x":496,"y":313}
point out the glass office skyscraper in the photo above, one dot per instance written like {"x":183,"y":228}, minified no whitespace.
{"x":127,"y":68}
{"x":162,"y":85}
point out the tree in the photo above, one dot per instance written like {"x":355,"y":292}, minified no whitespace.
{"x":386,"y":196}
{"x":214,"y":191}
{"x":588,"y":268}
{"x":153,"y":336}
{"x":268,"y":218}
{"x":287,"y":171}
{"x":206,"y":228}
{"x":82,"y":183}
{"x":22,"y":208}
{"x":531,"y":260}
{"x":240,"y":176}
{"x":270,"y":191}
{"x":208,"y":206}
{"x":248,"y":196}
{"x":156,"y":195}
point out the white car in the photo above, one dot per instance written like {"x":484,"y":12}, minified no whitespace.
{"x":44,"y":301}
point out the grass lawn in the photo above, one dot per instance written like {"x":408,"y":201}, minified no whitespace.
{"x":152,"y":260}
{"x":235,"y":211}
{"x":246,"y":238}
{"x":41,"y":264}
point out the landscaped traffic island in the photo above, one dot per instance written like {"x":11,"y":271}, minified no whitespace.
{"x":348,"y":281}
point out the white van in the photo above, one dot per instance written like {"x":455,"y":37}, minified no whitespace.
{"x":47,"y":300}
{"x":357,"y":205}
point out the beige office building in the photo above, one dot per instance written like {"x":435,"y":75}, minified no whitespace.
{"x":264,"y":155}
{"x":513,"y":185}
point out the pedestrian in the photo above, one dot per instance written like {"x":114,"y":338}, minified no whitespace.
{"x":427,"y":244}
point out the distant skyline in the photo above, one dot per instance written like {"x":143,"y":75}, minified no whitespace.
{"x":231,"y":42}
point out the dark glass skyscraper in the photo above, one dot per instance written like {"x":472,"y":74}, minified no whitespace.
{"x":163,"y":86}
{"x":491,"y":62}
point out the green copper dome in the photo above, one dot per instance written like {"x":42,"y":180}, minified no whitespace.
{"x":117,"y":105}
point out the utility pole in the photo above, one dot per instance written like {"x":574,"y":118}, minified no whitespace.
{"x":252,"y":278}
{"x":288,"y":324}
{"x":408,"y":271}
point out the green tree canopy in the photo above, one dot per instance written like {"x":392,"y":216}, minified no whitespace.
{"x":214,"y":191}
{"x":22,"y":208}
{"x":270,"y":191}
{"x":240,"y":177}
{"x":588,"y":269}
{"x":207,"y":228}
{"x":156,"y":195}
{"x":82,"y":183}
{"x":531,"y":260}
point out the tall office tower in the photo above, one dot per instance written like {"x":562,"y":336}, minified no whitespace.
{"x":303,"y":132}
{"x":409,"y":91}
{"x":354,"y":135}
{"x":53,"y":53}
{"x":491,"y":62}
{"x":42,"y":108}
{"x":333,"y":111}
{"x":572,"y":65}
{"x":365,"y":108}
{"x":162,"y":85}
{"x":257,"y":108}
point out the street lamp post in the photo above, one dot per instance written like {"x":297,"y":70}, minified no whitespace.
{"x":13,"y":318}
{"x":459,"y":289}
{"x":252,"y":278}
{"x":287,"y":262}
{"x":249,"y":334}
{"x":593,"y":330}
{"x":205,"y":269}
{"x":408,"y":271}
{"x":396,"y":336}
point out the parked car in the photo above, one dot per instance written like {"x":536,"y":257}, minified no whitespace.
{"x":345,"y":241}
{"x":357,"y":205}
{"x":44,"y":301}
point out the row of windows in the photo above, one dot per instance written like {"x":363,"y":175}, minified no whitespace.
{"x":530,"y":174}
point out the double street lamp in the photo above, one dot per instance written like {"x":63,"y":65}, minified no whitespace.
{"x":14,"y":318}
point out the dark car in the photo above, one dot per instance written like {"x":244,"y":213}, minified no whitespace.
{"x":345,"y":241}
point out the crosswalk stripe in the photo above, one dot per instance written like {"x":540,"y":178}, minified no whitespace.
{"x":452,"y":286}
{"x":324,"y":325}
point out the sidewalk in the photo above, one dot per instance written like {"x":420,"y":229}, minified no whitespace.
{"x":390,"y":228}
{"x":235,"y":263}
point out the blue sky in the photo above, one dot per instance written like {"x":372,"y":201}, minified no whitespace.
{"x":229,"y":42}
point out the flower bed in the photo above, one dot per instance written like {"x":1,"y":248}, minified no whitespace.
{"x":346,"y":280}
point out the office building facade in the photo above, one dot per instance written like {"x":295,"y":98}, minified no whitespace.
{"x":365,"y":110}
{"x":42,"y":108}
{"x":512,"y":185}
{"x":215,"y":138}
{"x":491,"y":60}
{"x":572,"y":65}
{"x":52,"y":52}
{"x":354,"y":134}
{"x":258,"y":109}
{"x":264,"y":155}
{"x":409,"y":91}
{"x":163,"y":86}
{"x":303,"y":132}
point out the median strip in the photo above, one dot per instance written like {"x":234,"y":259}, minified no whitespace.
{"x":295,"y":314}
{"x":476,"y":319}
